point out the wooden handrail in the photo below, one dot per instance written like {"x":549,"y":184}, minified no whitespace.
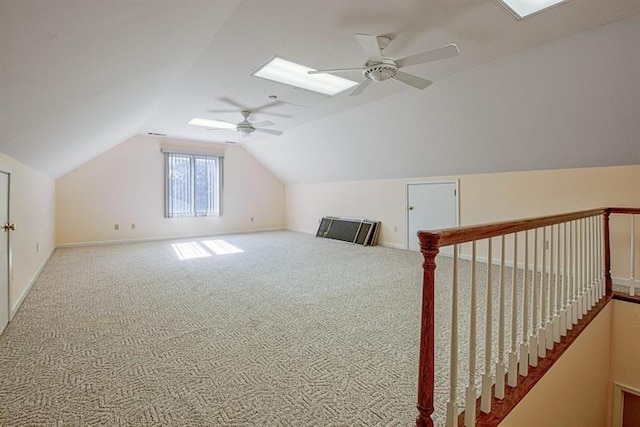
{"x":430,"y":244}
{"x":452,"y":236}
{"x":632,"y":211}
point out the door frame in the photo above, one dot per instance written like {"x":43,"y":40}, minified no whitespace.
{"x":618,"y":399}
{"x":7,"y":170}
{"x":455,"y":181}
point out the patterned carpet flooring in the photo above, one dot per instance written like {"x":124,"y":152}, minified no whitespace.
{"x":263,"y":329}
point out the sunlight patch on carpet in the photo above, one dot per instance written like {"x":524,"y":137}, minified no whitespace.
{"x":222,"y":247}
{"x":190,"y":250}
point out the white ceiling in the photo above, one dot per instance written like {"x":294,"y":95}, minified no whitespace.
{"x":79,"y":77}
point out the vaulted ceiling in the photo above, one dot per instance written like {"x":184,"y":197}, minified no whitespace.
{"x":78,"y":78}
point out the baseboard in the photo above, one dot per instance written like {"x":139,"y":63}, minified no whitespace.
{"x":393,"y":245}
{"x":616,"y":281}
{"x":155,"y":239}
{"x":302,"y":230}
{"x":625,"y":282}
{"x":621,"y":281}
{"x":483,"y":259}
{"x":24,"y":294}
{"x":496,"y":261}
{"x":313,"y":232}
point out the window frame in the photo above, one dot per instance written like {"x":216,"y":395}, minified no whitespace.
{"x":217,"y":178}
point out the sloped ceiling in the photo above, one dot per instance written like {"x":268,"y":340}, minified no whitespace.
{"x":78,"y":78}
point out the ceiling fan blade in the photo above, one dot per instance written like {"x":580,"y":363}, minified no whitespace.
{"x":261,"y":109}
{"x":443,"y":52}
{"x":334,"y":70}
{"x":360,"y":87}
{"x":221,"y":111}
{"x":265,"y":113}
{"x":411,"y":80}
{"x":275,"y":100}
{"x":370,"y":45}
{"x":234,"y":103}
{"x":262,"y":124}
{"x":220,"y":129}
{"x":270,"y":131}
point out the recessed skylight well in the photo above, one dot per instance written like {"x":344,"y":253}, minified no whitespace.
{"x":196,"y":121}
{"x":524,"y":8}
{"x":296,"y":75}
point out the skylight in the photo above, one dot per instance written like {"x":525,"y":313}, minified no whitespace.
{"x":523,"y":8}
{"x":211,"y":123}
{"x":296,"y":75}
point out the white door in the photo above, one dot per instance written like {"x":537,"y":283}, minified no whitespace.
{"x":430,"y":206}
{"x":4,"y":250}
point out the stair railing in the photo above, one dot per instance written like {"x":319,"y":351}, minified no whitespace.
{"x":552,"y":274}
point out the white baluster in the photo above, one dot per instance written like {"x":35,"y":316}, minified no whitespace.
{"x":569,"y":309}
{"x":558,"y":290}
{"x":593,"y":261}
{"x":552,"y":295}
{"x":580,"y":269}
{"x":533,"y":340}
{"x":513,"y":356}
{"x":632,"y":279}
{"x":565,"y":283}
{"x":500,"y":364}
{"x":452,"y":405}
{"x":524,"y":345}
{"x":485,"y":401}
{"x":586,"y":266}
{"x":600,"y":257}
{"x":585,"y":270}
{"x":576,"y":273}
{"x":542,"y":331}
{"x":471,"y":393}
{"x":592,"y":277}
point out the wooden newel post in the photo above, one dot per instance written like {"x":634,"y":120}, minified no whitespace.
{"x":429,"y":249}
{"x":607,"y":252}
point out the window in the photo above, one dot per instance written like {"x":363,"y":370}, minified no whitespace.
{"x":193,"y":185}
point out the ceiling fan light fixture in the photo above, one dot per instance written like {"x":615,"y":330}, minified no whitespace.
{"x":380,"y":72}
{"x":245,"y":130}
{"x":296,"y":75}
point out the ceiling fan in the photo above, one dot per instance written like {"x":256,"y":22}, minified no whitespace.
{"x":380,"y":68}
{"x":245,"y":127}
{"x":239,"y":107}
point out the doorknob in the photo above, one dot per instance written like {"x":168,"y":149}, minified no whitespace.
{"x":8,"y":227}
{"x":410,"y":208}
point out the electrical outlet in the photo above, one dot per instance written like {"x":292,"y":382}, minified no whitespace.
{"x":37,"y":247}
{"x":395,"y":228}
{"x":116,"y":227}
{"x":133,"y":226}
{"x":251,"y":219}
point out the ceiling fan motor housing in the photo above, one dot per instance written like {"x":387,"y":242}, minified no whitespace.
{"x":380,"y":71}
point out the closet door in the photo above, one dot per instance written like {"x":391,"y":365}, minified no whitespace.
{"x":430,"y":206}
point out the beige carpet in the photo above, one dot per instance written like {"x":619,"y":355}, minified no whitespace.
{"x":292,"y":331}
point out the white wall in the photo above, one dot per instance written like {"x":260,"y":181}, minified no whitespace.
{"x":125,"y":186}
{"x":483,"y":198}
{"x":32,"y":209}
